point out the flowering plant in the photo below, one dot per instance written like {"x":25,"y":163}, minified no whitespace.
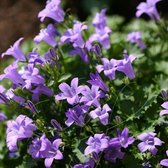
{"x":87,"y":94}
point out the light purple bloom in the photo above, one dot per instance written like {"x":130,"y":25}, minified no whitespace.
{"x":113,"y":152}
{"x":39,"y":147}
{"x":71,"y":93}
{"x":148,"y":7}
{"x":125,"y":65}
{"x":43,"y":148}
{"x":74,"y":35}
{"x":53,"y":153}
{"x":149,"y":141}
{"x":31,"y":76}
{"x":165,"y":111}
{"x":48,"y":35}
{"x":99,"y":20}
{"x":96,"y":144}
{"x":164,"y":162}
{"x":136,"y":37}
{"x":101,"y":113}
{"x":53,"y":11}
{"x":2,"y":116}
{"x":102,"y":32}
{"x":102,"y":36}
{"x":123,"y":138}
{"x":88,"y":164}
{"x":109,"y":68}
{"x":96,"y":80}
{"x":91,"y":96}
{"x":15,"y":51}
{"x":17,"y":130}
{"x":75,"y":115}
{"x":12,"y":74}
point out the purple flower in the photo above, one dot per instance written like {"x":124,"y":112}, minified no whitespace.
{"x":75,"y":115}
{"x":109,"y":67}
{"x":53,"y":153}
{"x":12,"y":74}
{"x":102,"y":36}
{"x":113,"y":152}
{"x":96,"y":80}
{"x":148,"y":7}
{"x":99,"y":20}
{"x":123,"y":138}
{"x":164,"y":162}
{"x":125,"y":65}
{"x":136,"y":37}
{"x":91,"y":96}
{"x":165,"y":111}
{"x":70,"y":92}
{"x":88,"y":164}
{"x":43,"y":148}
{"x":149,"y":141}
{"x":47,"y":35}
{"x":39,"y":147}
{"x":31,"y":76}
{"x":101,"y":113}
{"x":53,"y":11}
{"x":96,"y":144}
{"x":81,"y":52}
{"x":17,"y":130}
{"x":74,"y":35}
{"x":15,"y":51}
{"x":2,"y":116}
{"x":41,"y":89}
{"x":102,"y":32}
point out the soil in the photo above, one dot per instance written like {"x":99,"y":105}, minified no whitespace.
{"x":18,"y":18}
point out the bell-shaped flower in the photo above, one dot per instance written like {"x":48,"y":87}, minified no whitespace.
{"x":15,"y":51}
{"x":52,"y":10}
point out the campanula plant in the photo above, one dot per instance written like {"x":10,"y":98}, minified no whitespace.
{"x":87,"y":94}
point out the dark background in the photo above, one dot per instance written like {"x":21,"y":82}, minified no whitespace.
{"x":18,"y":18}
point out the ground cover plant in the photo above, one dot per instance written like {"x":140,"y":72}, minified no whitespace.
{"x":87,"y":94}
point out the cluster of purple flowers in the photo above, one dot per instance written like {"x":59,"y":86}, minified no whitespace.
{"x":26,"y":78}
{"x":83,"y":97}
{"x":109,"y":67}
{"x":110,"y":147}
{"x":43,"y":148}
{"x":84,"y":100}
{"x":102,"y":31}
{"x":18,"y":130}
